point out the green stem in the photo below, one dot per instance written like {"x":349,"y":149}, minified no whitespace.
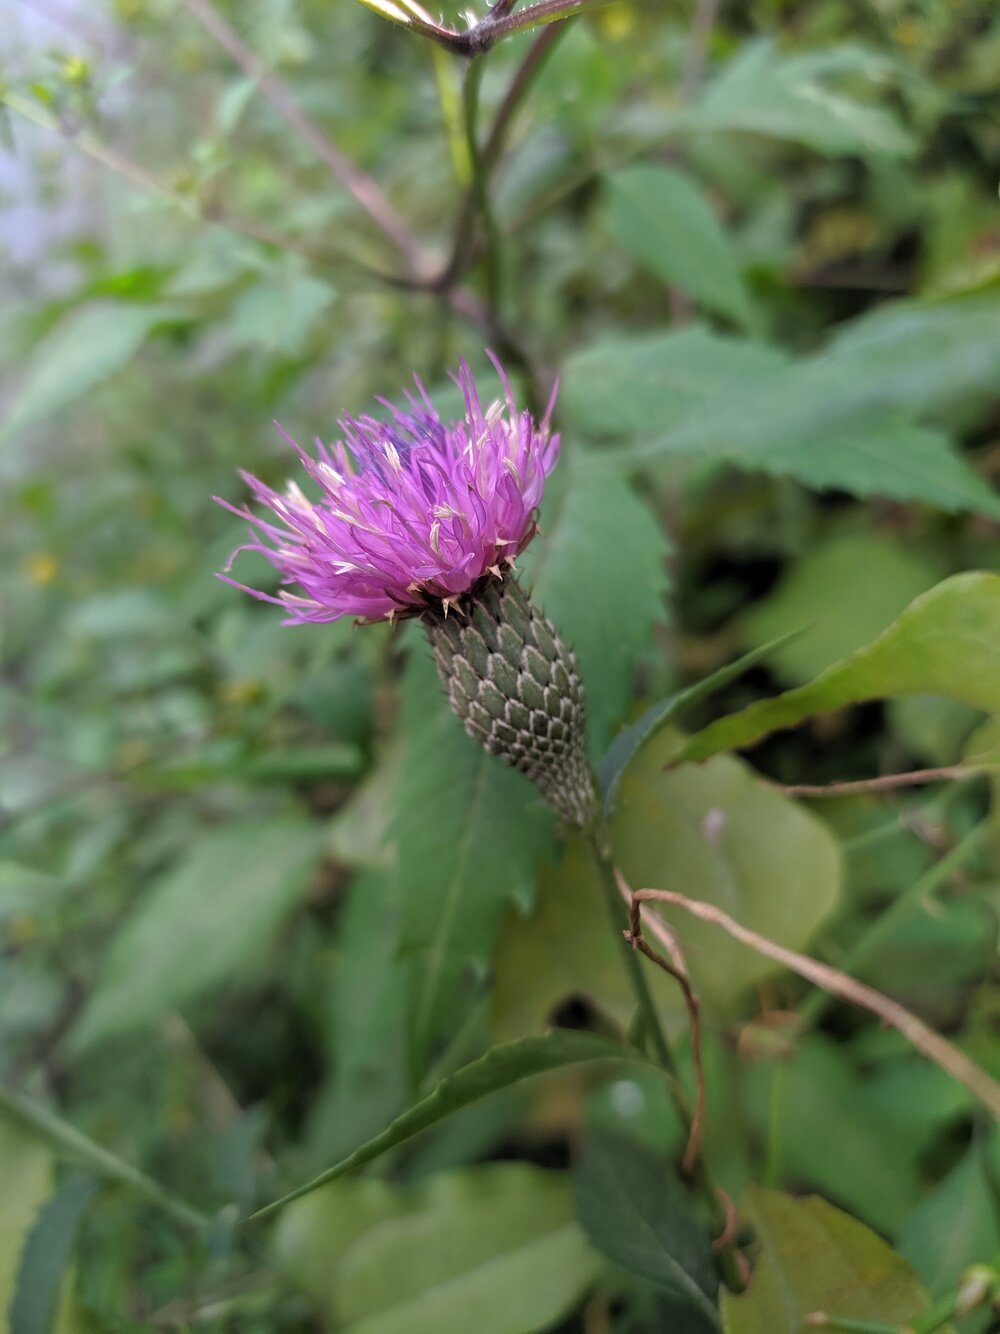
{"x":451,"y":115}
{"x":652,"y":1032}
{"x":67,"y":1139}
{"x":521,"y":84}
{"x":480,"y":182}
{"x":927,"y":884}
{"x":774,"y":1166}
{"x":941,"y":1314}
{"x":618,"y":912}
{"x":897,"y":826}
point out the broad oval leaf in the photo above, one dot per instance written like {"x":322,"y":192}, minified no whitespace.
{"x":564,"y":948}
{"x":491,"y":1248}
{"x":501,"y":1066}
{"x":717,"y":832}
{"x":814,"y":1258}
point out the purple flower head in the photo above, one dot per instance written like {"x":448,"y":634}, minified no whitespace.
{"x":411,"y":510}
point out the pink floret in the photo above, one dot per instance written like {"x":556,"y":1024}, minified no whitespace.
{"x":411,"y":509}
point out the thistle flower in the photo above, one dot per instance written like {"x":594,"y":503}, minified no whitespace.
{"x":412,"y":511}
{"x":421,"y":518}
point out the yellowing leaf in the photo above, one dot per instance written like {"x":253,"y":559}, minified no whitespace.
{"x":815,"y":1258}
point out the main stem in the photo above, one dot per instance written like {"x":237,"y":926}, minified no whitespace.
{"x":618,"y":912}
{"x":654,"y":1035}
{"x":480,"y":184}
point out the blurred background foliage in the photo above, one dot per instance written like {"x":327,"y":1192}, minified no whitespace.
{"x":257,"y":892}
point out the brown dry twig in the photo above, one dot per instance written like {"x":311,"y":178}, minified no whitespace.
{"x":354,"y":179}
{"x":943,"y":1053}
{"x":886,"y":782}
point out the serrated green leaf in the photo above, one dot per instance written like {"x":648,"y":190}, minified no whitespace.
{"x":470,"y":833}
{"x":946,"y":643}
{"x":597,"y":572}
{"x":840,"y":418}
{"x":816,"y":1258}
{"x":886,"y":455}
{"x":920,"y":356}
{"x":85,"y":348}
{"x":789,"y":96}
{"x":634,"y":1209}
{"x":492,"y":1248}
{"x":957,"y":1224}
{"x":46,"y":1257}
{"x":631,"y":385}
{"x":662,"y":218}
{"x":26,"y":1168}
{"x":502,"y":1066}
{"x":197,"y":926}
{"x":27,"y":1176}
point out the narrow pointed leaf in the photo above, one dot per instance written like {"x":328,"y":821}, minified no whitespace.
{"x":499,"y":1068}
{"x":813,"y":1258}
{"x":947,"y":642}
{"x":47,"y":1255}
